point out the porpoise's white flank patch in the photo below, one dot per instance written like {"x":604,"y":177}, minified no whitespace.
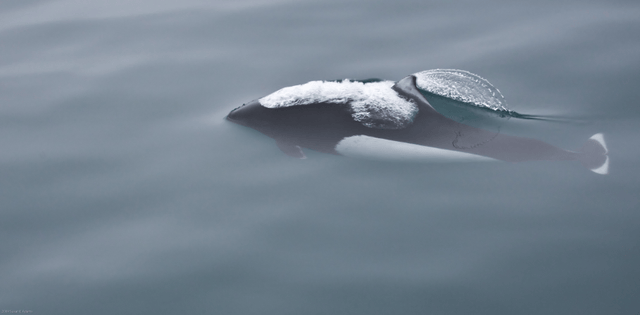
{"x":374,"y":104}
{"x":367,"y":147}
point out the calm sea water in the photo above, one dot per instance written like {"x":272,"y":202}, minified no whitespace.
{"x":124,"y":191}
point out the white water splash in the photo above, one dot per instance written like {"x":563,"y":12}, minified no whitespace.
{"x":374,"y":104}
{"x":462,"y":86}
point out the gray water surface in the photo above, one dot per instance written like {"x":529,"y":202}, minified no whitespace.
{"x":124,"y":191}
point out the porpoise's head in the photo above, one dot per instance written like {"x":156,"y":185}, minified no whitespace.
{"x":270,"y":121}
{"x":248,"y":114}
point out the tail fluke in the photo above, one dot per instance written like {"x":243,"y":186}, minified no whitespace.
{"x":594,"y":154}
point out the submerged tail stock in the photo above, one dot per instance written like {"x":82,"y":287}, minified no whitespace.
{"x":594,"y":154}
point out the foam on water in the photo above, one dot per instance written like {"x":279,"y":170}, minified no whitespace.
{"x":461,"y":86}
{"x":374,"y":104}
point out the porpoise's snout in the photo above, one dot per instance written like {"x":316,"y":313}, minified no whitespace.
{"x":245,"y":113}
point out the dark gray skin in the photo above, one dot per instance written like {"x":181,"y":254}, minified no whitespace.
{"x":321,"y":126}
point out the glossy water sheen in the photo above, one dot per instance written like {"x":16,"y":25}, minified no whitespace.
{"x":462,"y":86}
{"x":124,"y":191}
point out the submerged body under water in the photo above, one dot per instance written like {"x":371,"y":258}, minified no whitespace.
{"x":395,"y":121}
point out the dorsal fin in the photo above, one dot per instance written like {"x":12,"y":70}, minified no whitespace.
{"x":407,"y":88}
